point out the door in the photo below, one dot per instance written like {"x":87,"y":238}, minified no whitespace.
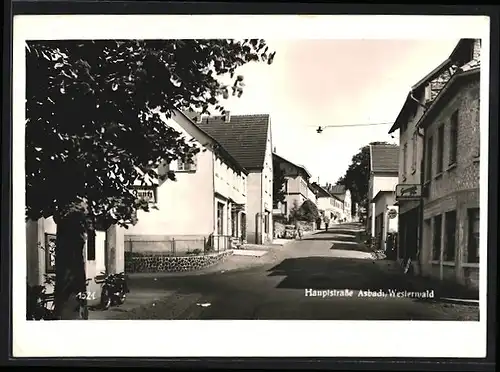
{"x":243,"y":226}
{"x":220,"y":218}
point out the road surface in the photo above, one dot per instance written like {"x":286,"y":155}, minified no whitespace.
{"x":324,"y":276}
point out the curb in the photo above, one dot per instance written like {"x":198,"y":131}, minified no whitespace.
{"x":453,"y":301}
{"x":459,"y":301}
{"x":419,"y":286}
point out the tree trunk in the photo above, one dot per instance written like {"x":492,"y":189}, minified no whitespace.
{"x":70,"y":266}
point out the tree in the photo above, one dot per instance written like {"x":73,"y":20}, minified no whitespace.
{"x":95,"y":124}
{"x":308,"y":211}
{"x":357,"y":176}
{"x":279,"y":182}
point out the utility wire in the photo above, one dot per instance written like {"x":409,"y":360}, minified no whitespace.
{"x":350,"y":125}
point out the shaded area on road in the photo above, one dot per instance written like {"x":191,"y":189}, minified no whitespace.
{"x":343,"y":238}
{"x":276,"y":288}
{"x":336,"y":273}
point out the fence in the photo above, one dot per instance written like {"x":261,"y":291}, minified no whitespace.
{"x":140,"y":252}
{"x":180,"y":247}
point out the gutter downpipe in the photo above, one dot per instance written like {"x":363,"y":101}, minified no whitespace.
{"x":422,"y":177}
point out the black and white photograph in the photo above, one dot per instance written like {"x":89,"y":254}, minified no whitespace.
{"x":296,"y":176}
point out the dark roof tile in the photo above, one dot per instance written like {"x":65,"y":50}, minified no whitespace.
{"x":384,"y":158}
{"x":244,"y":137}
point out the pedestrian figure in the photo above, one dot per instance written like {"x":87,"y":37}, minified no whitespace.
{"x":327,"y":222}
{"x":298,"y":230}
{"x":318,"y":223}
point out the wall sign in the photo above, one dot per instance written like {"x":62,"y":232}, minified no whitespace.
{"x":146,"y":193}
{"x":392,"y":214}
{"x":408,"y":192}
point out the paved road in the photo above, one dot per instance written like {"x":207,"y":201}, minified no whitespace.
{"x":304,"y":281}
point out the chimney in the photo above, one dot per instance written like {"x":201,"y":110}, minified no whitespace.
{"x":274,"y":149}
{"x":227,"y":116}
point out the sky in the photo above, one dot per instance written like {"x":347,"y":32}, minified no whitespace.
{"x":334,"y":82}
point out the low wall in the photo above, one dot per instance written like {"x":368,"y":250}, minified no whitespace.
{"x":154,"y":263}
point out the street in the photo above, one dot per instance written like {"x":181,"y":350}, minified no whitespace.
{"x":327,"y":275}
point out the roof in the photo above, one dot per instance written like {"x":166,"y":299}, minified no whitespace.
{"x":384,"y":158}
{"x":322,"y":192}
{"x":458,"y":56}
{"x":338,"y":189}
{"x":220,"y":148}
{"x":445,"y":93}
{"x":380,"y":193}
{"x":244,"y":137}
{"x":282,"y":159}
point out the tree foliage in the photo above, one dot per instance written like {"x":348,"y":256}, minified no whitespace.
{"x":95,"y":124}
{"x":279,"y":182}
{"x":93,"y":114}
{"x":357,"y":176}
{"x":308,"y":211}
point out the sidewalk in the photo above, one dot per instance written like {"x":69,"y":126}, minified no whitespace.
{"x":443,"y":291}
{"x":138,"y":306}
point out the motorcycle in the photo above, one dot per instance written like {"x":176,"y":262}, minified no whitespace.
{"x":114,"y":290}
{"x":39,"y":304}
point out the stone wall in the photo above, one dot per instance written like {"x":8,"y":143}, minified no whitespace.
{"x":154,"y":263}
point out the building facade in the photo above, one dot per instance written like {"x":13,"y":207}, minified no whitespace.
{"x":248,"y":139}
{"x":385,"y":221}
{"x":102,"y":252}
{"x":343,"y":194}
{"x":297,"y":185}
{"x":412,"y":146}
{"x":451,"y":182}
{"x":329,"y":205}
{"x":384,"y":164}
{"x":208,"y":198}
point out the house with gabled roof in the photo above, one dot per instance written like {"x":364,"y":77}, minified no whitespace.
{"x":248,"y":139}
{"x":465,"y":55}
{"x":450,"y":248}
{"x":329,"y":205}
{"x":206,"y":204}
{"x":343,"y":194}
{"x":384,"y":166}
{"x":297,"y":185}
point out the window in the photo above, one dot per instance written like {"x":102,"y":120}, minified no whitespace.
{"x":50,"y":253}
{"x":188,"y":164}
{"x":453,"y":138}
{"x":428,"y":165}
{"x":450,"y":241}
{"x":266,"y":222}
{"x":436,"y":238}
{"x":473,"y":230}
{"x":220,"y":218}
{"x":91,"y":245}
{"x":234,"y":223}
{"x":414,"y":152}
{"x":405,"y":155}
{"x":440,"y":149}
